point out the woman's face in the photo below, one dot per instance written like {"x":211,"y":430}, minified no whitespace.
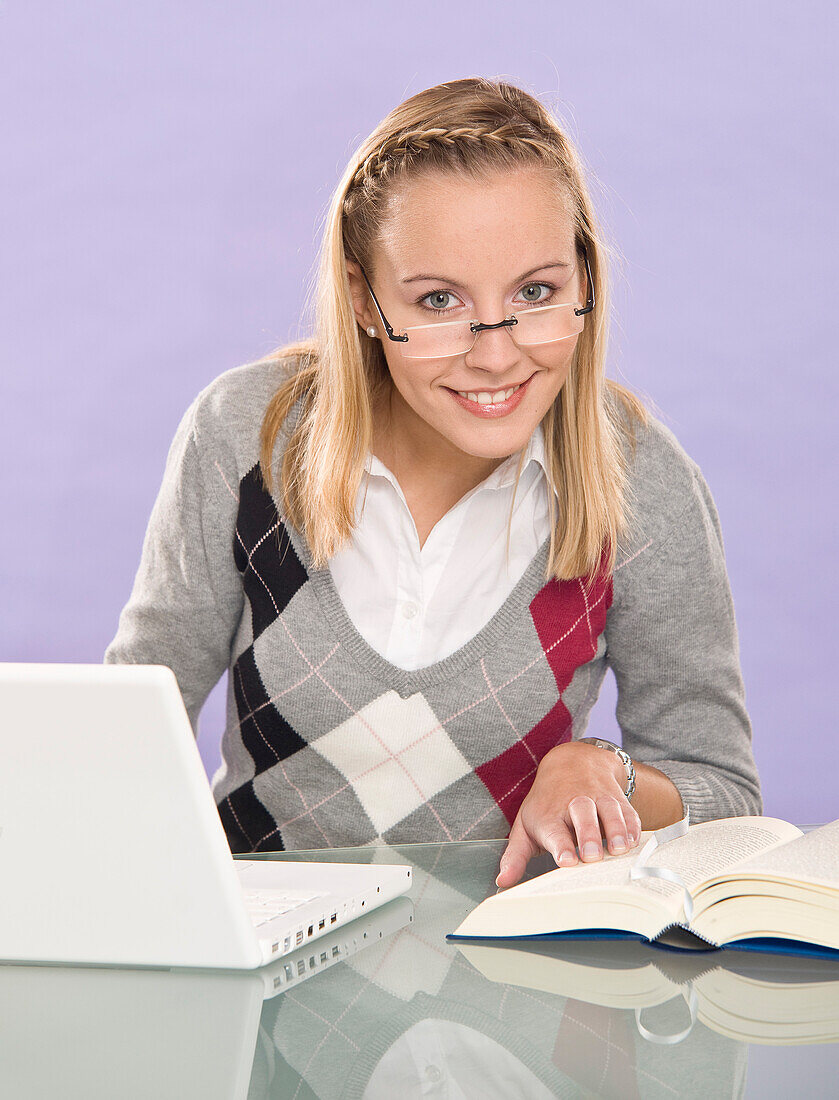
{"x":451,"y":249}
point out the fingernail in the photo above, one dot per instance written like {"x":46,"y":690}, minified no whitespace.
{"x":590,"y":850}
{"x":566,"y":859}
{"x":618,"y":844}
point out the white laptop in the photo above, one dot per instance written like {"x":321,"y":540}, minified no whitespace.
{"x":111,"y":847}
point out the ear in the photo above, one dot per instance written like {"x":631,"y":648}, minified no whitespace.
{"x":365,"y":311}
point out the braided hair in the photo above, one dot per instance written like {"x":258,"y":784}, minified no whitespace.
{"x":415,"y":146}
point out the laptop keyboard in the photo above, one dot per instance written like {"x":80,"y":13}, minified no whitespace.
{"x":265,"y":905}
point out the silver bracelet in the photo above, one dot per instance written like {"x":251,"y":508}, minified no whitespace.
{"x":626,"y":759}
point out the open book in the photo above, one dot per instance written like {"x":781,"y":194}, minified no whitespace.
{"x":749,"y":882}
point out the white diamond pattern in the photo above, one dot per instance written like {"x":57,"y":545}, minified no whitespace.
{"x":396,"y":755}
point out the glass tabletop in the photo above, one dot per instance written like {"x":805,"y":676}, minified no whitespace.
{"x":385,"y":1007}
{"x":584,"y":1019}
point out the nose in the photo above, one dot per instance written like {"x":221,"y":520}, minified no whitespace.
{"x":493,"y":351}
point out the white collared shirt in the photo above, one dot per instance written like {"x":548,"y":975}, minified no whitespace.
{"x":416,"y":606}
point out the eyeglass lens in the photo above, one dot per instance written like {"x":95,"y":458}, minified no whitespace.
{"x":545,"y":325}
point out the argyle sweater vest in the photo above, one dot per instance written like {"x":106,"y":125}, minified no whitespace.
{"x":327,"y":744}
{"x":345,"y":749}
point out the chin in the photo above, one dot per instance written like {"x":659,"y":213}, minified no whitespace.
{"x":494,"y":444}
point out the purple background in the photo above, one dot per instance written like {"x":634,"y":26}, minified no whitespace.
{"x":163,"y":173}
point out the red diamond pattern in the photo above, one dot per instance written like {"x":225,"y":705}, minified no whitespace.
{"x":568,"y":619}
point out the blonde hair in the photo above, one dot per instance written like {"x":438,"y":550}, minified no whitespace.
{"x":472,"y":127}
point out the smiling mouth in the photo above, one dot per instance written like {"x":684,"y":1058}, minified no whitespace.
{"x":489,"y":397}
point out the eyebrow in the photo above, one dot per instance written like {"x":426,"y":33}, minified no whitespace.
{"x":453,"y":282}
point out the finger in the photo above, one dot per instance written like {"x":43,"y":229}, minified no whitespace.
{"x":520,"y":849}
{"x":558,"y":840}
{"x":583,"y":814}
{"x":613,"y":824}
{"x":633,"y":824}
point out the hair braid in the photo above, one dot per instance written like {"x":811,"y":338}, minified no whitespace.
{"x":405,"y":146}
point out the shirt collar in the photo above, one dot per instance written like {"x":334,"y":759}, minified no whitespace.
{"x":505,"y":474}
{"x":501,"y":477}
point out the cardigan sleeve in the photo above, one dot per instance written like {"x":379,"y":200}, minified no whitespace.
{"x":187,"y":597}
{"x":672,"y":640}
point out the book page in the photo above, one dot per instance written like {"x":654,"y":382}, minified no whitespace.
{"x":588,"y":895}
{"x":610,"y":871}
{"x":714,"y":847}
{"x":602,"y":895}
{"x":813,"y":857}
{"x":706,"y":850}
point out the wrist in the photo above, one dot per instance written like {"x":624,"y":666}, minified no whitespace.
{"x":624,"y":767}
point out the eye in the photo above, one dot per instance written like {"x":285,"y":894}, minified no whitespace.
{"x":531,"y":293}
{"x":437,"y":301}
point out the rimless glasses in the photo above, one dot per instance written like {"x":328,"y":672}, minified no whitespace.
{"x":527,"y":327}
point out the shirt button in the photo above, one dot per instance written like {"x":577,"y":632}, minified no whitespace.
{"x":434,"y":1074}
{"x":409,"y":610}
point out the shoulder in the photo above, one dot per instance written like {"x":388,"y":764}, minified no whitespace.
{"x":224,"y":422}
{"x":234,"y":403}
{"x":219,"y":434}
{"x":664,"y":486}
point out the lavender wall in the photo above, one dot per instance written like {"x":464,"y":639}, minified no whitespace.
{"x":165,"y":165}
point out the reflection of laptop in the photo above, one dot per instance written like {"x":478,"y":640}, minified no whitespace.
{"x":111,"y":847}
{"x":333,"y":947}
{"x":91,"y":1033}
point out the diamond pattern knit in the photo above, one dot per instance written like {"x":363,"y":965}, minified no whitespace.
{"x":453,"y":761}
{"x":327,"y":744}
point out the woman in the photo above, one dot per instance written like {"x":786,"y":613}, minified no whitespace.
{"x":418,"y":539}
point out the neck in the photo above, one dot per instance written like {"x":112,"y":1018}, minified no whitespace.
{"x":415,"y":453}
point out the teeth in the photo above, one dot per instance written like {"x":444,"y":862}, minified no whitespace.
{"x":488,"y":398}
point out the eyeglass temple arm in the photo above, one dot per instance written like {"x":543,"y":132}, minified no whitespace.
{"x":589,"y":306}
{"x":388,"y":329}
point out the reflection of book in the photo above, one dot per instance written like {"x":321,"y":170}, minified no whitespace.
{"x":750,"y":881}
{"x":752,"y":998}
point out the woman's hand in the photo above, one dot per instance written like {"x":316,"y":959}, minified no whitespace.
{"x":576,"y":799}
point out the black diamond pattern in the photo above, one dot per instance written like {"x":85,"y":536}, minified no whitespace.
{"x":271,"y":571}
{"x":271,"y":574}
{"x":241,"y":811}
{"x":265,"y":733}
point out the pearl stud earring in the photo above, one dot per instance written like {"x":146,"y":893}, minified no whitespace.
{"x":372,"y":331}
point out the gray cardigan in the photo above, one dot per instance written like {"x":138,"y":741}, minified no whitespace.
{"x":327,"y":744}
